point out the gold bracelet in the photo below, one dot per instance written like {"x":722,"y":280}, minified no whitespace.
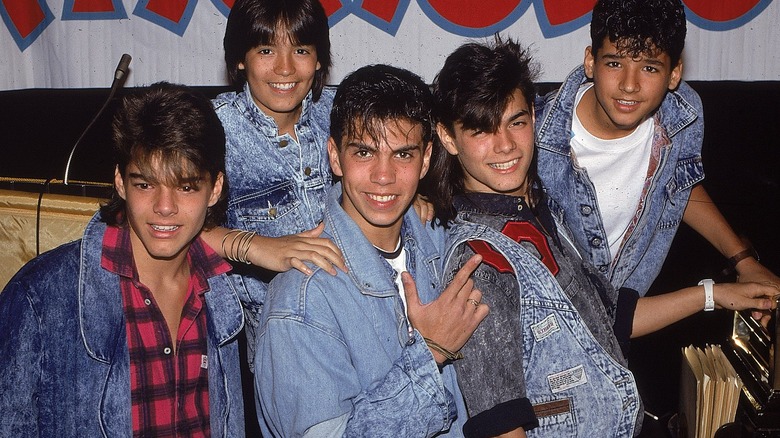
{"x":450,"y":356}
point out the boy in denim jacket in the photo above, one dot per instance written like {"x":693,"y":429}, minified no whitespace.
{"x":620,"y":148}
{"x":131,"y":330}
{"x":357,"y":354}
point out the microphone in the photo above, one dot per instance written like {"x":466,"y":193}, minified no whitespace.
{"x":119,"y":75}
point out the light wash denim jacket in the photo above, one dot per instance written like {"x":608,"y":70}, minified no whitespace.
{"x":574,"y":372}
{"x":678,"y":143}
{"x":335,"y":355}
{"x":277,"y":184}
{"x":64,"y":360}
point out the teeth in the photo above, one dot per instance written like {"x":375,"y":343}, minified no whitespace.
{"x":384,"y":198}
{"x":282,"y":86}
{"x":504,"y":166}
{"x":627,"y":102}
{"x":165,"y":228}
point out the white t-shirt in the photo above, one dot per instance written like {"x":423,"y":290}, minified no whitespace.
{"x":618,"y":170}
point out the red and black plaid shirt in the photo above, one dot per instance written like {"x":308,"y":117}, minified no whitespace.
{"x":169,"y":391}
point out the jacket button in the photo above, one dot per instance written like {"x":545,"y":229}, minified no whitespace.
{"x":307,"y":171}
{"x":272,"y":212}
{"x":595,"y":242}
{"x":603,"y":268}
{"x":586,"y":210}
{"x":167,"y":350}
{"x":148,"y":302}
{"x":283,"y":143}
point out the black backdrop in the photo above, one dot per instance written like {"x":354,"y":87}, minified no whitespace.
{"x":741,"y":160}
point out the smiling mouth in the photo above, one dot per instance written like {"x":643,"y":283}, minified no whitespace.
{"x":627,"y":102}
{"x":505,"y":165}
{"x":382,"y":198}
{"x":283,"y":86}
{"x":165,"y":228}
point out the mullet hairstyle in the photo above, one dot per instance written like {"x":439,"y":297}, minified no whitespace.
{"x":371,"y":96}
{"x":473,"y":89}
{"x":252,"y":23}
{"x":639,"y":27}
{"x":172,"y":129}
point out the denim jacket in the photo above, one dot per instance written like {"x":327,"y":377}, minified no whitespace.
{"x":64,"y":360}
{"x":336,"y":356}
{"x":277,"y":184}
{"x":678,"y":139}
{"x":574,"y":373}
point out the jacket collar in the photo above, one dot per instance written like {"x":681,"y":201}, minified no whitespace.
{"x":367,"y":269}
{"x":101,"y":314}
{"x":554,"y":132}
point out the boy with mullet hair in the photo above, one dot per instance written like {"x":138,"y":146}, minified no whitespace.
{"x":131,"y":330}
{"x":357,"y":354}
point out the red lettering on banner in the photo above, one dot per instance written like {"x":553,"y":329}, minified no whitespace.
{"x":331,"y":6}
{"x":25,"y":14}
{"x":720,"y":10}
{"x":384,"y":9}
{"x":170,"y":9}
{"x":519,"y":232}
{"x":93,"y":6}
{"x":474,"y":13}
{"x":563,"y":11}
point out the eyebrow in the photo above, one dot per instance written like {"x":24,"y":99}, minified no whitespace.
{"x":647,"y":59}
{"x":404,"y":148}
{"x":180,"y":180}
{"x":519,"y":114}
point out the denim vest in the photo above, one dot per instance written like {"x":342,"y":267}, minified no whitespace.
{"x":64,"y":360}
{"x":335,"y":354}
{"x":277,"y":184}
{"x":587,"y":391}
{"x":640,"y":257}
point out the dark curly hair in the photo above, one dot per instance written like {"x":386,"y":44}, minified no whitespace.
{"x":474,"y":88}
{"x":640,"y":26}
{"x":256,"y":22}
{"x":177,"y":126}
{"x":375,"y":94}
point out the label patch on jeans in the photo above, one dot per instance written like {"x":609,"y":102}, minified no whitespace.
{"x":567,"y":379}
{"x":552,"y":408}
{"x":545,"y":327}
{"x":204,"y":361}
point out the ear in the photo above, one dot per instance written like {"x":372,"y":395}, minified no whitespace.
{"x":119,"y":184}
{"x":589,"y":62}
{"x":676,"y":76}
{"x":426,"y":164}
{"x":216,"y":191}
{"x":333,"y":156}
{"x":446,"y":139}
{"x":241,"y":65}
{"x":318,"y":66}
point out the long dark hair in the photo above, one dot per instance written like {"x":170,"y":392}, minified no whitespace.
{"x":473,"y":89}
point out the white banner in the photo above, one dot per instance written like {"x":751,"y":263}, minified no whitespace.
{"x":78,"y":43}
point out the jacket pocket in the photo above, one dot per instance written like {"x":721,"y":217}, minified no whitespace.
{"x":687,"y":173}
{"x":274,"y":212}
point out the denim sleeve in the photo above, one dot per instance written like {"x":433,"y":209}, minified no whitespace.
{"x":251,"y":291}
{"x":20,"y":356}
{"x":306,"y":382}
{"x":491,"y":374}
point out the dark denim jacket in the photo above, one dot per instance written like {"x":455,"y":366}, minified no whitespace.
{"x":572,"y":369}
{"x":64,"y":361}
{"x":679,"y":141}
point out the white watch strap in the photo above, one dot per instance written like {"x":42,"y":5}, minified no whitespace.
{"x":709,"y":298}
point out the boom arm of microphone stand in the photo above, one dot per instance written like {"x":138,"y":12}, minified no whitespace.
{"x":114,"y":86}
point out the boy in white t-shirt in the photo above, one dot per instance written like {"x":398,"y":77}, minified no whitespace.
{"x":620,"y":148}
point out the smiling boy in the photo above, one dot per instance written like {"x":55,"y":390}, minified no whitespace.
{"x":131,"y":331}
{"x":620,"y":148}
{"x":367,"y":358}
